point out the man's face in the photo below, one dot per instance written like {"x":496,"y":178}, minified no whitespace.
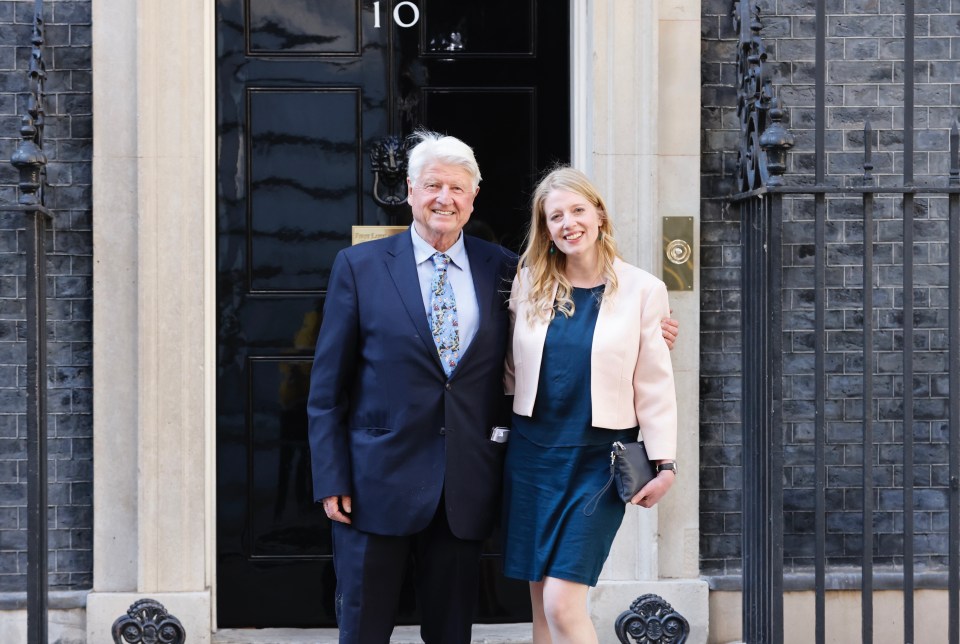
{"x":441,"y":200}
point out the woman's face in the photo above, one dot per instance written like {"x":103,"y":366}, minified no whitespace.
{"x":572,"y":222}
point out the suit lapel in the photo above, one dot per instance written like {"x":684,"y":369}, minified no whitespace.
{"x":403,"y":269}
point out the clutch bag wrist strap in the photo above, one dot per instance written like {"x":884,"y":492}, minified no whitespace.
{"x":591,"y":505}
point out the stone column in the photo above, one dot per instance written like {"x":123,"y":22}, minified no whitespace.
{"x":637,"y":128}
{"x":152,"y":460}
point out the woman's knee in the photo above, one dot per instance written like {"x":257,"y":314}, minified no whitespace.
{"x":564,"y":601}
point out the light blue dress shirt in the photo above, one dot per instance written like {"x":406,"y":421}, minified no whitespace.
{"x":461,"y":279}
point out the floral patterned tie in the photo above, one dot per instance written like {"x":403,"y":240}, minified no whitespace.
{"x":443,"y":315}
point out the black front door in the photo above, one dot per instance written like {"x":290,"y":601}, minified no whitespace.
{"x":305,"y":91}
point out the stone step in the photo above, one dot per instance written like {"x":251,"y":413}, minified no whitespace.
{"x":482,"y":634}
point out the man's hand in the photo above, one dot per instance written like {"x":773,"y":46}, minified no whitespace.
{"x":338,"y":508}
{"x":670,"y":329}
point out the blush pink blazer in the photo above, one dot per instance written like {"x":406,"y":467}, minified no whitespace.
{"x":631,"y":374}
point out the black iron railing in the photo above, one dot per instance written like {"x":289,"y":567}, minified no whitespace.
{"x":762,"y":524}
{"x":30,"y":161}
{"x":765,"y":202}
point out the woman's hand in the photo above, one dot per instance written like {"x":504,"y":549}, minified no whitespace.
{"x":653,"y":491}
{"x":670,"y":329}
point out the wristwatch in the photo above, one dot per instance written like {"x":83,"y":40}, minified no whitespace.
{"x":672,"y":466}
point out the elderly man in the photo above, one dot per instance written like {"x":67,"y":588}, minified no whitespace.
{"x":406,"y":390}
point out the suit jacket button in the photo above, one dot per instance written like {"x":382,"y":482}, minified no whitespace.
{"x":443,"y":431}
{"x":448,"y":386}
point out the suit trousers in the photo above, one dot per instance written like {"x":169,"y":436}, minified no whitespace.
{"x":370,"y":570}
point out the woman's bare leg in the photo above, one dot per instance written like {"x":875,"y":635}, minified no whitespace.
{"x":565,"y":609}
{"x":541,"y":630}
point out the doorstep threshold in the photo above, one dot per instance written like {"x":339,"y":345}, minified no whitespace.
{"x":482,"y":634}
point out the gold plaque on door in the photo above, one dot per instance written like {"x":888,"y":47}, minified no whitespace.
{"x":369,"y":233}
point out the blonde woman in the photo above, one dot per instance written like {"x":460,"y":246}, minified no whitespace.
{"x":588,"y":366}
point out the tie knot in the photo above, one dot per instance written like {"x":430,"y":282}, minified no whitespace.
{"x":440,"y":261}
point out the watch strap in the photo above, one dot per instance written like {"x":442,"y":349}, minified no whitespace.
{"x":672,"y":466}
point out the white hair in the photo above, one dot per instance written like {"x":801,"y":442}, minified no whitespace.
{"x":432,"y":147}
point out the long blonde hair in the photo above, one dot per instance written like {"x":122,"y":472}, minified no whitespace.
{"x":546,"y":269}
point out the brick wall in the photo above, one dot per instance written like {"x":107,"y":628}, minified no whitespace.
{"x":68,"y":145}
{"x":720,"y":339}
{"x":864,"y":77}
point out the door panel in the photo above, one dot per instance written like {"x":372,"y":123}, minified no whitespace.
{"x":285,"y":27}
{"x":305,"y":88}
{"x":305,"y":153}
{"x":492,"y":114}
{"x":480,"y":28}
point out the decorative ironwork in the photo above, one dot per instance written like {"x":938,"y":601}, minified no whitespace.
{"x":148,"y":622}
{"x":388,"y":160}
{"x":867,"y":156}
{"x":651,"y":620}
{"x":774,"y":142}
{"x":29,"y":158}
{"x":764,"y":140}
{"x":954,"y":179}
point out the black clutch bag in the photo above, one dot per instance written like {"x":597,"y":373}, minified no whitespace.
{"x":630,"y":470}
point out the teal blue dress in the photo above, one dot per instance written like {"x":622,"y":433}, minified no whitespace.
{"x":556,"y":461}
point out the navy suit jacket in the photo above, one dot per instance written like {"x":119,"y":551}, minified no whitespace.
{"x":386,"y":425}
